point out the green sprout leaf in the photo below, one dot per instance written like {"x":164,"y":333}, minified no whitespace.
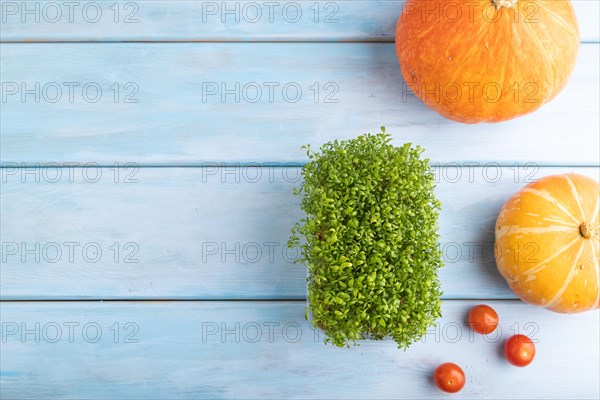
{"x":370,"y":240}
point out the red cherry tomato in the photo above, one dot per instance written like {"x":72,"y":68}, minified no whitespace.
{"x":483,"y":319}
{"x":449,"y":377}
{"x":519,"y":350}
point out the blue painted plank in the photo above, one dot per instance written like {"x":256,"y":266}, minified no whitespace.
{"x":158,"y":350}
{"x":243,"y":20}
{"x":192,"y":233}
{"x":346,"y":89}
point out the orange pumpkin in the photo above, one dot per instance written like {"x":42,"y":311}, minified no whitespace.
{"x":486,"y":60}
{"x":548,"y":243}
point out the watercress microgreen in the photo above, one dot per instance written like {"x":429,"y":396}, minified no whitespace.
{"x":370,"y":240}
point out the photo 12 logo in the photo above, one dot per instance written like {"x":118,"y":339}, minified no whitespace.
{"x":68,"y":172}
{"x":269,"y":92}
{"x":70,"y":252}
{"x":451,"y":11}
{"x":293,"y":332}
{"x":54,"y":12}
{"x":71,"y":332}
{"x":471,"y":92}
{"x":69,"y":92}
{"x":252,"y":12}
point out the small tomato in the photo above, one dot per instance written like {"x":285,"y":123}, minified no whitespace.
{"x":483,"y":319}
{"x":449,"y":377}
{"x":519,"y":350}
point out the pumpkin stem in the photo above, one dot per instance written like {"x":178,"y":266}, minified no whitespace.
{"x":587,"y":230}
{"x":504,"y":3}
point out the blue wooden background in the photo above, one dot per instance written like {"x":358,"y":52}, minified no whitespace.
{"x":144,"y":212}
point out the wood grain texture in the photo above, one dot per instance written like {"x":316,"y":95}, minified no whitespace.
{"x":183,"y":351}
{"x":244,"y":20}
{"x":194,"y":233}
{"x":177,"y":122}
{"x":213,"y":233}
{"x":172,"y":125}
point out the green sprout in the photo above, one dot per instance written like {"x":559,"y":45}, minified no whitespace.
{"x":370,"y":240}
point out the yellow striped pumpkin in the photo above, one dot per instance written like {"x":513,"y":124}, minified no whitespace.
{"x":548,"y":243}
